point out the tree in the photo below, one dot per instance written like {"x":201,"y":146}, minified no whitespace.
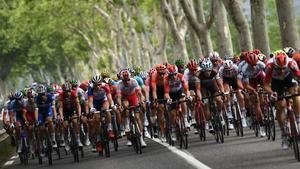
{"x":287,"y":21}
{"x":259,"y":26}
{"x":198,"y":23}
{"x":223,"y":33}
{"x":235,"y":12}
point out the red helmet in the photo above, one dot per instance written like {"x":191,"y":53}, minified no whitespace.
{"x":172,"y":69}
{"x":161,"y":68}
{"x":252,"y":59}
{"x":244,"y":55}
{"x":151,"y":71}
{"x":84,"y":86}
{"x":192,"y":65}
{"x":256,"y":51}
{"x":281,"y":59}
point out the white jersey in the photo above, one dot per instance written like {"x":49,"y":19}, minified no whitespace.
{"x":246,"y":71}
{"x":232,"y":73}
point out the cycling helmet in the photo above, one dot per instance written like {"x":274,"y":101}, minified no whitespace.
{"x":161,"y":68}
{"x":74,"y":83}
{"x":172,"y":69}
{"x":228,"y":64}
{"x":50,"y":89}
{"x":206,"y":65}
{"x":66,"y":87}
{"x":84,"y":86}
{"x":262,"y":57}
{"x":18,"y":95}
{"x":151,"y":71}
{"x":214,"y":56}
{"x":179,"y":63}
{"x":193,"y":66}
{"x":96,"y":79}
{"x":256,"y":51}
{"x":289,"y":51}
{"x":244,"y":55}
{"x":281,"y":59}
{"x":125,"y":75}
{"x":252,"y":59}
{"x":41,"y":89}
{"x":105,"y":73}
{"x":200,"y":60}
{"x":131,"y":70}
{"x":228,"y":57}
{"x":115,"y":78}
{"x":138,"y":69}
{"x":143,"y":75}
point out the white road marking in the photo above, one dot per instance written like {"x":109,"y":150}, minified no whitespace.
{"x":14,"y":157}
{"x":8,"y":163}
{"x":185,"y":155}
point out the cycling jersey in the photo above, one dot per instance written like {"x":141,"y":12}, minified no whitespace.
{"x":44,"y":104}
{"x":30,"y":109}
{"x":246,"y":72}
{"x":7,"y":108}
{"x":18,"y":107}
{"x":139,"y":81}
{"x":209,"y":83}
{"x":273,"y":72}
{"x":175,"y":84}
{"x":129,"y":91}
{"x":99,"y":95}
{"x":229,"y":73}
{"x":192,"y":79}
{"x":157,"y":84}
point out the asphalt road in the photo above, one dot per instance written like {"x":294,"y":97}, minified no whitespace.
{"x":248,"y":152}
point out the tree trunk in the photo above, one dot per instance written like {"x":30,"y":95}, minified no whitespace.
{"x":178,"y":28}
{"x":259,"y":26}
{"x":287,"y":21}
{"x":223,"y":33}
{"x":195,"y":44}
{"x":204,"y":36}
{"x":235,"y":12}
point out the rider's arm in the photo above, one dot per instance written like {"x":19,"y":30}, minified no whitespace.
{"x":54,"y":109}
{"x":60,"y":109}
{"x":36,"y":114}
{"x":166,"y":88}
{"x":153,"y":85}
{"x":78,"y":107}
{"x":198,"y":91}
{"x":184,"y":84}
{"x":268,"y":77}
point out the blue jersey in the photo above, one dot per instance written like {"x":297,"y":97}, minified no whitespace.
{"x":17,"y":107}
{"x":139,"y":81}
{"x":45,"y":106}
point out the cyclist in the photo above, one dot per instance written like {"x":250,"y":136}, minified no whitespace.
{"x":45,"y":112}
{"x":228,"y":73}
{"x":215,"y":60}
{"x":191,"y":76}
{"x":129,"y":94}
{"x":8,"y":117}
{"x":175,"y":85}
{"x":157,"y":86}
{"x":82,"y":96}
{"x":280,"y":72}
{"x":69,"y":109}
{"x":211,"y":83}
{"x":18,"y":107}
{"x":99,"y":99}
{"x":251,"y":73}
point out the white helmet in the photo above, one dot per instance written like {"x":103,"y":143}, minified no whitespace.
{"x":228,"y":64}
{"x":96,"y":79}
{"x":206,"y":65}
{"x":214,"y":56}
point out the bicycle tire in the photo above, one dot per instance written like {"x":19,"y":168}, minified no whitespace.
{"x":106,"y":148}
{"x":240,"y":125}
{"x":294,"y":135}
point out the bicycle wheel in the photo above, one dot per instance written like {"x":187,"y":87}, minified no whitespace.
{"x":294,"y":135}
{"x":106,"y":148}
{"x":272,"y":124}
{"x":239,"y":119}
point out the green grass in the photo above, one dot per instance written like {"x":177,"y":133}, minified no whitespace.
{"x":6,"y":150}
